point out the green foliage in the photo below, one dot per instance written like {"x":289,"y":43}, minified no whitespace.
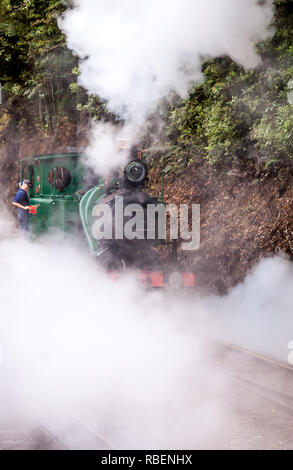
{"x":38,"y":73}
{"x":236,"y":114}
{"x":28,"y":30}
{"x":220,"y":131}
{"x":274,"y":134}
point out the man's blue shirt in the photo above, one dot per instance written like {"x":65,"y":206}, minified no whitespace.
{"x":22,"y":198}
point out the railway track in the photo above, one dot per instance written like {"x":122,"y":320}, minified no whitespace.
{"x":62,"y":432}
{"x":280,"y":399}
{"x":264,"y":376}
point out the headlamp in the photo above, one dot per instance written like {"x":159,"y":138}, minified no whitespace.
{"x":135,"y":172}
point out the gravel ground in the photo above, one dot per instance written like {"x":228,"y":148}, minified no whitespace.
{"x":253,"y":420}
{"x":16,"y":433}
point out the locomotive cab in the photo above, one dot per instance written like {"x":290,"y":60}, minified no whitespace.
{"x":56,"y":180}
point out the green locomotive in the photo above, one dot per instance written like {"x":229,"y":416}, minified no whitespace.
{"x":66,"y":194}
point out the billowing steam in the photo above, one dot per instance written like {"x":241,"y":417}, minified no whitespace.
{"x":131,"y":365}
{"x":134,"y":53}
{"x":257,"y":314}
{"x":122,"y":361}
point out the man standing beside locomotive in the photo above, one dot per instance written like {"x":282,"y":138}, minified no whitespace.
{"x":21,"y":201}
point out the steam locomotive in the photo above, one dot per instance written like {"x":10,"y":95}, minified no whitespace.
{"x":67,"y":195}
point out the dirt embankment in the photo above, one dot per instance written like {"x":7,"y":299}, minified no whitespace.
{"x":243,"y":219}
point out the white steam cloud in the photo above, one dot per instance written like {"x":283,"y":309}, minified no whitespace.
{"x":123,"y":362}
{"x":257,"y":314}
{"x":131,"y":365}
{"x":134,"y":53}
{"x":138,"y":51}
